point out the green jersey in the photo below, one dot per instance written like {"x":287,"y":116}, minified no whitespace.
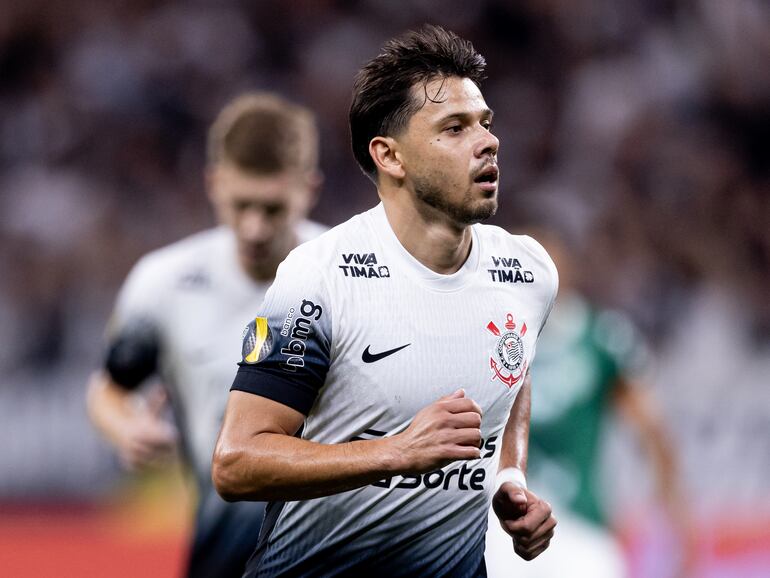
{"x":581,"y":354}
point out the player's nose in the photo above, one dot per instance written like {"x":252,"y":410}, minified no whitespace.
{"x":488,"y":144}
{"x":255,"y":226}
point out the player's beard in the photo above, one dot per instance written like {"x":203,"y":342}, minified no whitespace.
{"x":467,"y":212}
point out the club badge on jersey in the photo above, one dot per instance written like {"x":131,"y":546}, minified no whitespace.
{"x":507,"y":360}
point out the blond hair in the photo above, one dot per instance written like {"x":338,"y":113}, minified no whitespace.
{"x":262,"y":133}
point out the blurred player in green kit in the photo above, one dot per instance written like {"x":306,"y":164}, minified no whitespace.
{"x":581,"y":375}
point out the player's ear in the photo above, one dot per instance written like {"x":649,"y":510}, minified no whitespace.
{"x":385,"y":154}
{"x":312,"y":181}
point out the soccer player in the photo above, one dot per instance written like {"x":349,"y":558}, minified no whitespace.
{"x":180,"y":312}
{"x":387,"y":368}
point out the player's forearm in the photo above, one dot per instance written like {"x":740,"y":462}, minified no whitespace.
{"x":279,"y":467}
{"x":257,"y":456}
{"x":515,"y":444}
{"x":640,"y":409}
{"x":664,"y":464}
{"x":107,"y":405}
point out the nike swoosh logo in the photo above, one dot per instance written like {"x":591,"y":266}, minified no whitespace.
{"x":368,"y":357}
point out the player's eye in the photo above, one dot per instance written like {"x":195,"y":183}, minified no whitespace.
{"x":273,"y":210}
{"x":454,"y":128}
{"x":487,"y":124}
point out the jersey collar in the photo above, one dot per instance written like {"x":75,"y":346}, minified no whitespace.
{"x":427,"y":277}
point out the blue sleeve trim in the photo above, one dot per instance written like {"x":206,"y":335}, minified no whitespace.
{"x":132,"y":355}
{"x":275,"y":384}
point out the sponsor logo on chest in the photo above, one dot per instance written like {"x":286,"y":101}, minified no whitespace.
{"x":194,"y":280}
{"x":509,"y":270}
{"x":363,"y":265}
{"x":465,"y":477}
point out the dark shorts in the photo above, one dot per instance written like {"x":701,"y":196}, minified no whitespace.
{"x":225,"y":537}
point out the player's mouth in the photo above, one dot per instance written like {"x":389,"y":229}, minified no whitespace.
{"x":487,"y":178}
{"x":255,"y":253}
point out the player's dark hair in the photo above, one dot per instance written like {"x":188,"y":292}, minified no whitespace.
{"x":261,"y":133}
{"x":383,"y":101}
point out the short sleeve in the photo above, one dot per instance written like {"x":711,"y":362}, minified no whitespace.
{"x":552,"y":277}
{"x":287,"y":347}
{"x":133,"y":332}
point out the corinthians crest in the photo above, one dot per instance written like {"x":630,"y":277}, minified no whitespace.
{"x":507,"y":361}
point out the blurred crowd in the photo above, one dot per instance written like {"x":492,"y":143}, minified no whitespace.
{"x":636,"y":131}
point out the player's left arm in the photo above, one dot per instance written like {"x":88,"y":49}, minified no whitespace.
{"x":522,"y":514}
{"x":639,"y":408}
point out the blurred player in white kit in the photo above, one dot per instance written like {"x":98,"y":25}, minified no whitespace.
{"x":180,"y":313}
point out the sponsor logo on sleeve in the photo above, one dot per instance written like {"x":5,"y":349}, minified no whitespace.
{"x":509,"y":270}
{"x":257,"y":341}
{"x":298,"y":327}
{"x":507,"y":360}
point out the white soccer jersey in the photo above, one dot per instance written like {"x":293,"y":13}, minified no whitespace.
{"x":180,"y":314}
{"x":359,"y":336}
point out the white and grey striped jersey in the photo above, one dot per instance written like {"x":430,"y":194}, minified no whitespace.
{"x":180,"y":315}
{"x":359,"y":336}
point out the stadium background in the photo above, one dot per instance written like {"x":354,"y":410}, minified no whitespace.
{"x":636,"y":130}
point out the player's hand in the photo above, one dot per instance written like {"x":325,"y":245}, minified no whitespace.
{"x":447,"y":430}
{"x":526,"y":518}
{"x":144,"y":438}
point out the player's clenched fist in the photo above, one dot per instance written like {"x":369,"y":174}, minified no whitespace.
{"x":145,"y":441}
{"x":447,"y":430}
{"x":142,"y":437}
{"x":526,"y":518}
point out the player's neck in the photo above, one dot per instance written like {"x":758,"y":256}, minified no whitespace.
{"x":264,"y":271}
{"x":433,"y":240}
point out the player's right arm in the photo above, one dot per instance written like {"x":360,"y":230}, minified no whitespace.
{"x":133,"y":426}
{"x":130,"y":423}
{"x":639,"y":408}
{"x":257,"y":456}
{"x":287,"y":352}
